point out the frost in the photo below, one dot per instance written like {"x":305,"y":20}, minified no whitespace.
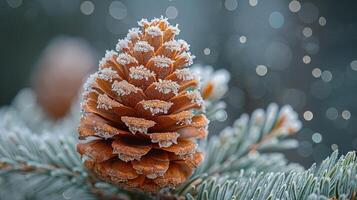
{"x":143,"y":46}
{"x":140,"y":73}
{"x":122,"y":44}
{"x":104,"y":102}
{"x":143,"y":22}
{"x":184,"y":74}
{"x":125,"y":59}
{"x":108,"y":74}
{"x":133,"y":33}
{"x":184,"y":118}
{"x":124,"y":88}
{"x":125,"y":157}
{"x":102,"y":133}
{"x":162,"y":61}
{"x":90,"y":81}
{"x":167,"y":86}
{"x":107,"y":57}
{"x":156,"y":106}
{"x":195,"y":97}
{"x":172,"y":45}
{"x":174,"y":29}
{"x":136,"y":125}
{"x":188,"y":58}
{"x":154,"y":31}
{"x":183,"y":44}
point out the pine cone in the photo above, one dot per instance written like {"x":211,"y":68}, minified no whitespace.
{"x":141,"y":109}
{"x":61,"y":69}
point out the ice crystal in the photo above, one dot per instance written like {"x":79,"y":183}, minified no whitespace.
{"x":162,"y":61}
{"x":107,"y":57}
{"x":138,"y":125}
{"x":143,"y":46}
{"x":157,"y":106}
{"x":124,"y":88}
{"x":185,"y":74}
{"x":125,"y":59}
{"x":122,"y":44}
{"x":140,"y":73}
{"x":108,"y":74}
{"x":104,"y":102}
{"x":167,"y":86}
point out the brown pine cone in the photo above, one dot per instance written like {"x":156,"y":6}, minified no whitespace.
{"x":63,"y":66}
{"x":140,"y":112}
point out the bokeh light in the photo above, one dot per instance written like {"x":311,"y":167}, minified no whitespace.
{"x":316,"y":138}
{"x":294,"y":6}
{"x":117,"y":10}
{"x":261,"y":70}
{"x":242,"y":39}
{"x":276,"y":20}
{"x":346,"y":114}
{"x":316,"y":72}
{"x":332,"y":113}
{"x":326,"y":76}
{"x":306,"y":59}
{"x":207,"y":51}
{"x":14,"y":3}
{"x":253,"y":2}
{"x":307,"y":32}
{"x":171,"y":12}
{"x":87,"y":7}
{"x":354,"y":65}
{"x":322,"y":21}
{"x":231,"y":5}
{"x":308,"y":115}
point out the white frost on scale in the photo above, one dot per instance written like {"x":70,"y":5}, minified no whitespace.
{"x":184,"y":118}
{"x":154,"y":31}
{"x":124,"y":88}
{"x":174,"y":29}
{"x":125,"y":59}
{"x":156,"y":106}
{"x":107,"y":57}
{"x":90,"y":81}
{"x":136,"y":125}
{"x":133,"y":33}
{"x":122,"y":44}
{"x":195,"y":97}
{"x":172,"y":45}
{"x":102,"y":133}
{"x":185,"y":74}
{"x":104,"y":102}
{"x":143,"y":46}
{"x":183,"y":44}
{"x":143,"y":22}
{"x":167,"y":86}
{"x":162,"y":61}
{"x":140,"y":73}
{"x":188,"y":57}
{"x":107,"y":74}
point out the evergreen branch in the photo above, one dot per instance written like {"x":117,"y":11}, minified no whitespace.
{"x":239,"y":147}
{"x":49,"y":163}
{"x":334,"y":179}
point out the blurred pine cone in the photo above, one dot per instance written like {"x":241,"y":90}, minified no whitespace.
{"x":61,"y":69}
{"x":140,"y":121}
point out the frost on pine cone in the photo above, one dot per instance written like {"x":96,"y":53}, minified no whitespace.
{"x":140,"y":121}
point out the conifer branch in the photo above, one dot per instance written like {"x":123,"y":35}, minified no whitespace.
{"x":334,"y":179}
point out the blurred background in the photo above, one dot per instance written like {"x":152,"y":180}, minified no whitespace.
{"x":302,"y":53}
